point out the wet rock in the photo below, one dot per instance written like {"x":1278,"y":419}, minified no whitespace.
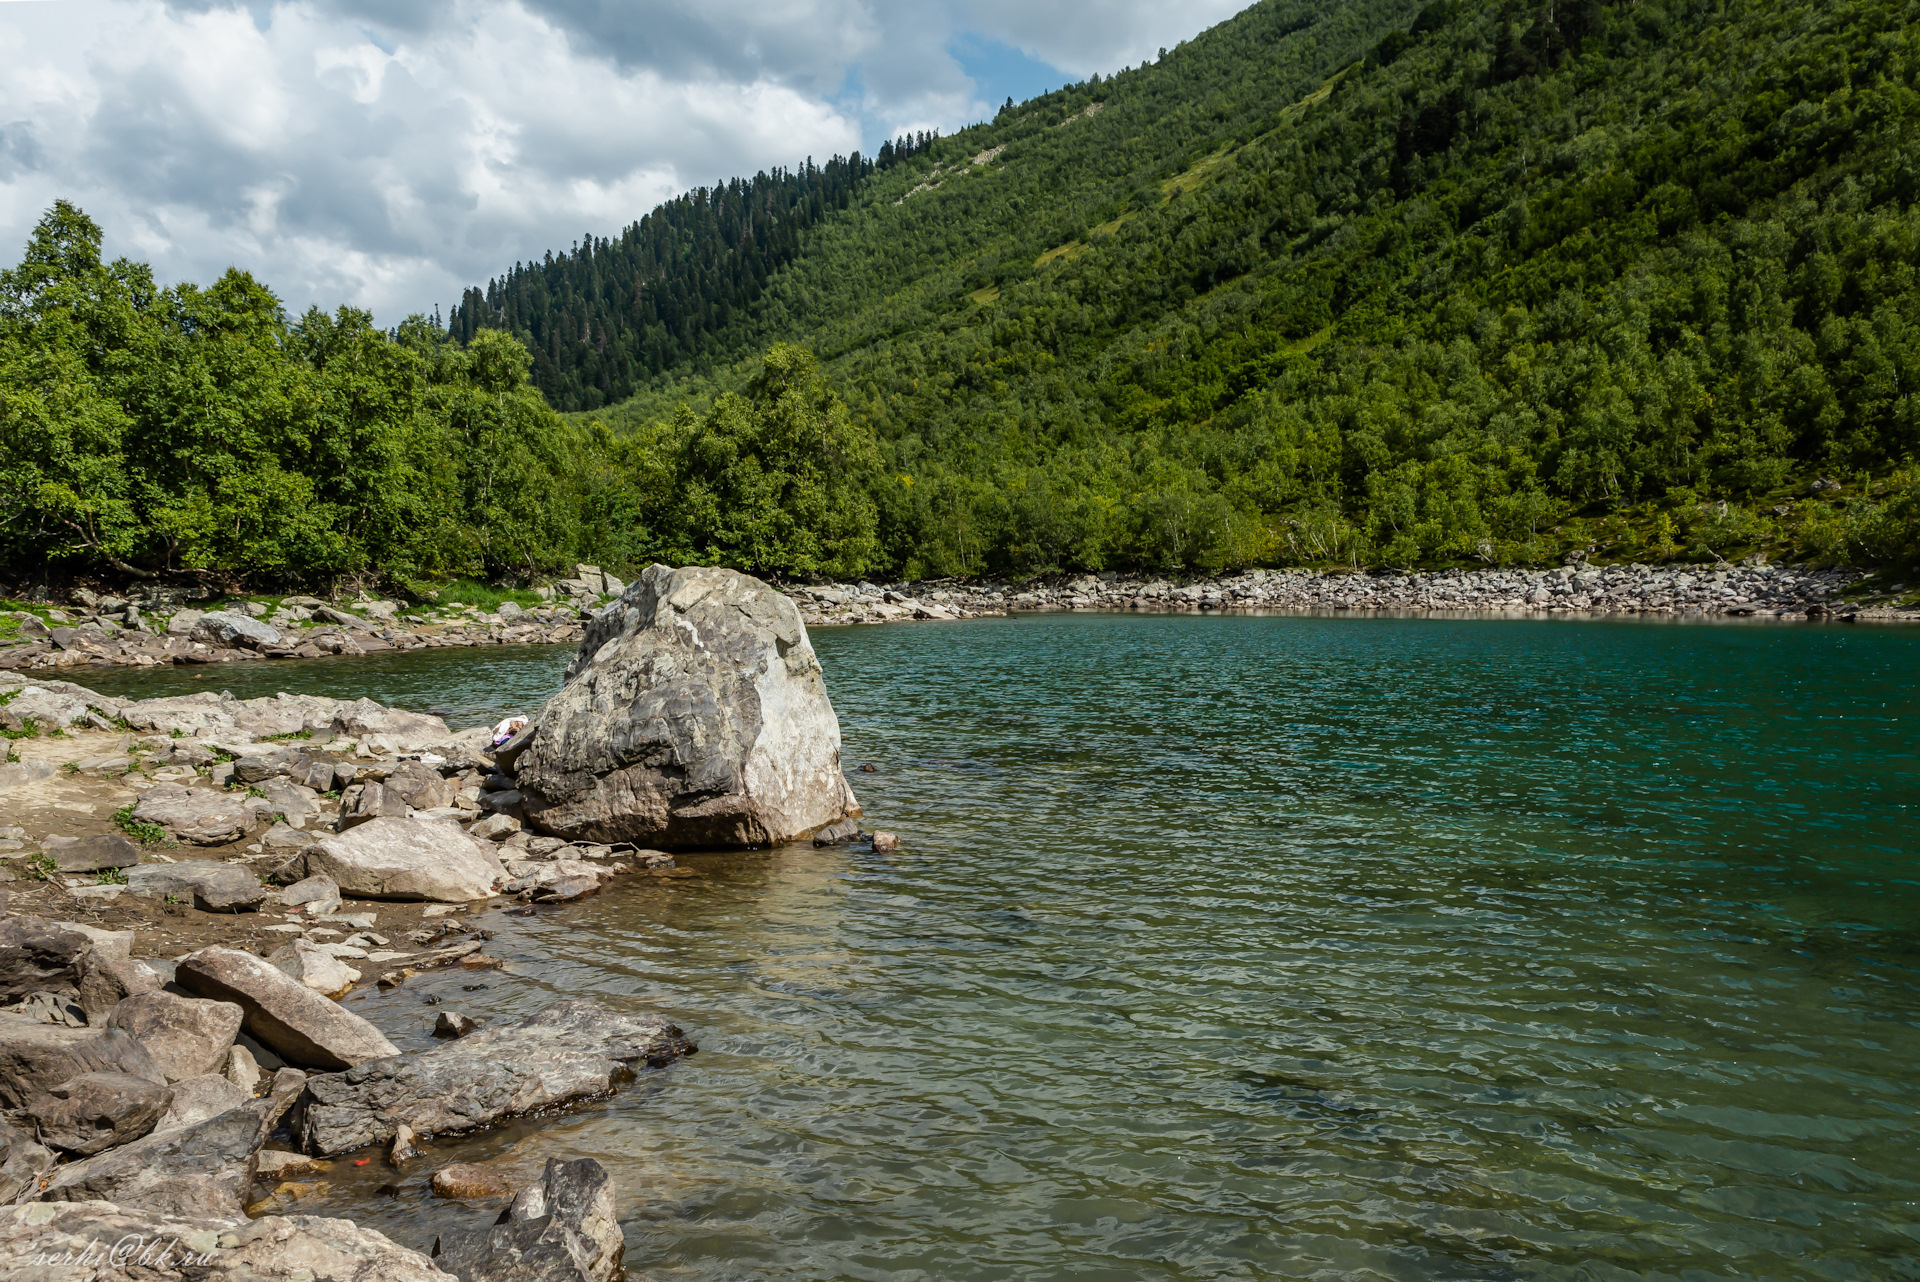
{"x":559,"y":1230}
{"x":565,"y":889}
{"x":196,"y":1099}
{"x":408,"y":859}
{"x":693,"y":716}
{"x":211,"y":886}
{"x":281,"y":1013}
{"x":102,"y":982}
{"x":187,"y":1036}
{"x":884,"y":842}
{"x":467,"y":1180}
{"x":94,"y":1111}
{"x":37,"y":955}
{"x":90,"y":854}
{"x":198,"y":818}
{"x":453,"y":1024}
{"x":838,"y":834}
{"x":402,"y":1151}
{"x":315,"y":967}
{"x":35,"y":1057}
{"x":574,"y":1050}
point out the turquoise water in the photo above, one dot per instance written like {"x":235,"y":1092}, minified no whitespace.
{"x":1276,"y":948}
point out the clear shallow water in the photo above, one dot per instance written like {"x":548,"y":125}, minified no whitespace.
{"x":1274,"y":947}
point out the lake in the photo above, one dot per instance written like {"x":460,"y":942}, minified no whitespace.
{"x":1250,"y":947}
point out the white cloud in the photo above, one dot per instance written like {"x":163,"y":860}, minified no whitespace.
{"x":388,"y":154}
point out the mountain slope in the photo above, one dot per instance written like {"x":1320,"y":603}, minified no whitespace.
{"x":1478,"y":281}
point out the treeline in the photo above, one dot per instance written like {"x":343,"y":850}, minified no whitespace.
{"x":609,"y":314}
{"x":1474,"y":282}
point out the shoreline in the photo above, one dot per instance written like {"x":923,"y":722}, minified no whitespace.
{"x":110,"y":632}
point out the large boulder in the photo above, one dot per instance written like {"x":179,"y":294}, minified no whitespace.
{"x":200,"y":818}
{"x":572,"y":1051}
{"x":211,"y":886}
{"x":35,"y":1057}
{"x":394,"y":729}
{"x":559,"y":1230}
{"x":187,"y":1036}
{"x":101,"y":982}
{"x":408,"y":858}
{"x":281,"y":1013}
{"x":693,"y":716}
{"x":96,"y":1111}
{"x":233,"y":631}
{"x":174,"y":1248}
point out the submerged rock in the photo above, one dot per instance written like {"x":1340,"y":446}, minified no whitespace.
{"x":559,"y":1230}
{"x":694,"y":715}
{"x":575,"y":1050}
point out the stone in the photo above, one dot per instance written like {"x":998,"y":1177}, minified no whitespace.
{"x":402,"y":1150}
{"x":280,"y":1012}
{"x":90,"y":854}
{"x":411,"y":858}
{"x":212,"y":886}
{"x":200,"y":1171}
{"x":839,"y":834}
{"x":494,"y":827}
{"x":198,"y":818}
{"x":571,"y":1051}
{"x":259,"y":768}
{"x":453,"y":1024}
{"x":196,"y":1099}
{"x":393,"y":729}
{"x":232,"y":631}
{"x":421,"y":787}
{"x":94,"y":1111}
{"x":102,"y":982}
{"x":36,"y":1057}
{"x":694,"y":715}
{"x":53,"y":1008}
{"x":315,"y":967}
{"x":309,"y":890}
{"x":565,"y":889}
{"x":241,"y":1068}
{"x":366,"y":801}
{"x":885,"y":842}
{"x":469,"y":1180}
{"x":274,"y":1164}
{"x":38,"y":956}
{"x":562,"y":1228}
{"x":23,"y":1160}
{"x":113,"y":944}
{"x":281,"y":837}
{"x":187,"y":1036}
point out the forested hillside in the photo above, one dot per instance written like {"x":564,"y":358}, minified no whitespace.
{"x":1385,"y":284}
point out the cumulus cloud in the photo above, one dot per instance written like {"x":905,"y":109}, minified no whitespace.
{"x":387,"y":153}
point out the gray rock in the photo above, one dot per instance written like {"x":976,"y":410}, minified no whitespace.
{"x":196,"y":1099}
{"x":53,"y":1008}
{"x":394,"y":729}
{"x":839,"y":834}
{"x":38,"y":956}
{"x":259,"y":767}
{"x":281,"y":837}
{"x":17,"y":774}
{"x":559,"y":1230}
{"x":36,"y":1057}
{"x":494,"y":827}
{"x":453,"y":1024}
{"x":412,"y":858}
{"x":23,"y":1160}
{"x":241,"y":1068}
{"x":232,"y":631}
{"x":187,"y":1036}
{"x":103,"y":982}
{"x":314,"y":967}
{"x":213,"y":887}
{"x":90,"y":854}
{"x":421,"y":786}
{"x":571,"y":1051}
{"x":694,"y":715}
{"x":368,"y":801}
{"x":94,"y":1111}
{"x":201,"y":818}
{"x":200,"y":1171}
{"x":284,"y":1015}
{"x":308,"y":890}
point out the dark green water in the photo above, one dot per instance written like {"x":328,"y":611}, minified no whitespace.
{"x":1272,"y":948}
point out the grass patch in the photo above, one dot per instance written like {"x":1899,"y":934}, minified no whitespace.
{"x":283,"y":738}
{"x":110,"y":877}
{"x":71,"y":767}
{"x":39,"y":867}
{"x":145,"y":833}
{"x":484,"y":596}
{"x":28,"y":729}
{"x":991,"y":294}
{"x":1069,"y":251}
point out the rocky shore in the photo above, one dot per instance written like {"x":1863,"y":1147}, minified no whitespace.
{"x":161,"y":627}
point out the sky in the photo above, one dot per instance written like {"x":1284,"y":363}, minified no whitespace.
{"x":388,"y":153}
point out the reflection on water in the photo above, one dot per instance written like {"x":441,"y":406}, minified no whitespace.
{"x":1277,"y":947}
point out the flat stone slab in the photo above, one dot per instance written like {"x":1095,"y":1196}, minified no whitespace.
{"x":408,"y":858}
{"x":212,"y":886}
{"x":280,"y":1012}
{"x":199,"y":818}
{"x":90,"y":854}
{"x":573,"y":1051}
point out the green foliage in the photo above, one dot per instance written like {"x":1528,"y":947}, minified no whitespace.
{"x":481,"y":596}
{"x":39,"y":867}
{"x":198,"y":431}
{"x":110,"y":877}
{"x":147,"y":834}
{"x":1472,"y":283}
{"x":288,"y":736}
{"x":70,"y":767}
